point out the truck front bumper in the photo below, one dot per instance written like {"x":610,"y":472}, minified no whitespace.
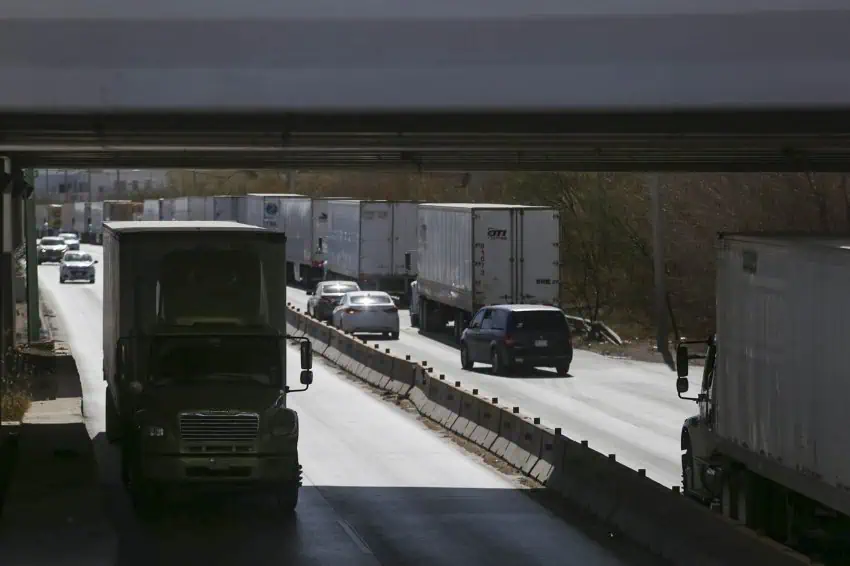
{"x":220,"y":469}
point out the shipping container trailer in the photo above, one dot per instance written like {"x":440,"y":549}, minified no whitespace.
{"x":224,"y":207}
{"x":265,"y":210}
{"x":82,"y":221}
{"x":96,"y":212}
{"x":364,"y":238}
{"x":67,"y":217}
{"x":769,"y":446}
{"x":152,"y":209}
{"x":167,"y":209}
{"x":473,"y":255}
{"x":306,"y":221}
{"x":190,"y":208}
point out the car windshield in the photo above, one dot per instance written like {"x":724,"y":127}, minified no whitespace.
{"x":545,"y":321}
{"x":77,"y":257}
{"x":227,"y":359}
{"x":52,"y":242}
{"x":340,"y":288}
{"x":68,"y":236}
{"x":372,"y":299}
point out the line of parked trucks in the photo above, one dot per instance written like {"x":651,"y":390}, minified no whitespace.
{"x":446,"y":260}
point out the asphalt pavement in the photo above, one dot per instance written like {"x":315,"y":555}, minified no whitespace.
{"x":381,"y":488}
{"x":621,"y":407}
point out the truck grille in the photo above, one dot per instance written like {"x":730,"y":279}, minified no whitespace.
{"x":219,"y":427}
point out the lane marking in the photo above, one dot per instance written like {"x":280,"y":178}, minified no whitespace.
{"x":355,"y":536}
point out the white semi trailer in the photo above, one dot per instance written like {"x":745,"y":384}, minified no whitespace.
{"x":768,"y":447}
{"x":472,"y":255}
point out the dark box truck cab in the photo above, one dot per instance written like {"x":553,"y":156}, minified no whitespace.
{"x":194,"y":354}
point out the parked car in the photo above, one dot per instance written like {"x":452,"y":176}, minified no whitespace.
{"x":367,"y":312}
{"x":327,"y":296}
{"x":77,"y":266}
{"x":51,"y":248}
{"x":72,"y":239}
{"x":512,"y":336}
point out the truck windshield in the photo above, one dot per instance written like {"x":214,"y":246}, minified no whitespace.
{"x":212,"y":285}
{"x":204,"y":359}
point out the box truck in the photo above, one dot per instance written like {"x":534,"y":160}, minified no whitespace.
{"x":197,"y":386}
{"x":472,"y":255}
{"x":367,"y":242}
{"x":190,"y":208}
{"x":96,"y":224}
{"x":306,"y":221}
{"x":768,"y":447}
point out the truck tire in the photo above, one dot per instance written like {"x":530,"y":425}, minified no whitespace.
{"x":113,"y":422}
{"x":414,"y":320}
{"x":144,"y":496}
{"x":286,"y":496}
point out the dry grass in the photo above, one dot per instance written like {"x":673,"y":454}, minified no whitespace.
{"x":14,"y":403}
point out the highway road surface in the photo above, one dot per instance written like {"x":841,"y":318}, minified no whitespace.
{"x":380,"y":487}
{"x":623,"y":407}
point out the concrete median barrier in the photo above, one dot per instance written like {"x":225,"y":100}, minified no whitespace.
{"x":624,"y":499}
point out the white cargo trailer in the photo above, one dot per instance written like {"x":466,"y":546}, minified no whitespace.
{"x":166,"y":210}
{"x":362,"y":243}
{"x":223,"y":207}
{"x":472,"y":255}
{"x":190,"y":208}
{"x":82,"y":221}
{"x":96,"y":211}
{"x":306,"y":221}
{"x":264,"y":210}
{"x":152,"y":209}
{"x":770,"y":443}
{"x":67,"y":221}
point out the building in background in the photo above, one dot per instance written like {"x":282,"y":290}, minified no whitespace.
{"x":97,"y":184}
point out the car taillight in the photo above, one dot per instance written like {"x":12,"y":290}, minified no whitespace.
{"x":509,"y":340}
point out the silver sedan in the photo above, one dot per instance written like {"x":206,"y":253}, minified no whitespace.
{"x":367,"y":312}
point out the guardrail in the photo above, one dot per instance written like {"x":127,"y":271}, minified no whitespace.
{"x":656,"y":517}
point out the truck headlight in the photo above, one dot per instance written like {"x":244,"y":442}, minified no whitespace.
{"x":285,"y":423}
{"x":154,"y":431}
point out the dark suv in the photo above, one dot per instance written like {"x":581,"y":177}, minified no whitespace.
{"x":511,"y":336}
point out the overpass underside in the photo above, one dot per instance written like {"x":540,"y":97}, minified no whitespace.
{"x":777,"y":140}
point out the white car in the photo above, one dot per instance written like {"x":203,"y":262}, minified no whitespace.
{"x":51,"y":248}
{"x":77,"y":266}
{"x":368,"y":312}
{"x":71,"y":239}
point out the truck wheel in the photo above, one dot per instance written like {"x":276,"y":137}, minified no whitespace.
{"x":563,"y":371}
{"x":144,"y":497}
{"x":287,"y":497}
{"x":414,"y":320}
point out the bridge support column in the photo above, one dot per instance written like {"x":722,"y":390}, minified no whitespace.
{"x":7,"y":267}
{"x":656,"y":214}
{"x":33,"y":307}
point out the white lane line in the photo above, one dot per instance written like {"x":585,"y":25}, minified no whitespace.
{"x":355,"y":536}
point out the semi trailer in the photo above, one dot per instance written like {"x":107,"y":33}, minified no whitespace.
{"x":367,"y":242}
{"x":768,"y":448}
{"x":194,"y":357}
{"x":306,"y":221}
{"x":472,"y":255}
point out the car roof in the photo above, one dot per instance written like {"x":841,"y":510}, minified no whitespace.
{"x":337,"y":283}
{"x":525,"y":308}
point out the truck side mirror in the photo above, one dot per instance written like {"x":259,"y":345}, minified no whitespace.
{"x":682,"y":385}
{"x":306,"y":377}
{"x":408,"y":261}
{"x":306,"y":356}
{"x":682,"y":361}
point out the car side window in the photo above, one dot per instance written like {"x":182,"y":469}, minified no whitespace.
{"x":500,"y":319}
{"x":476,"y":322}
{"x":487,"y":323}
